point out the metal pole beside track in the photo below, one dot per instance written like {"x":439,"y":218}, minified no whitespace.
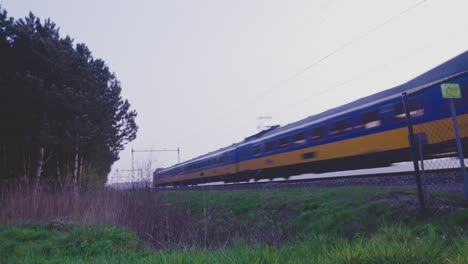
{"x":459,"y":146}
{"x":156,"y":150}
{"x":132,"y":164}
{"x":414,"y":151}
{"x":421,"y":139}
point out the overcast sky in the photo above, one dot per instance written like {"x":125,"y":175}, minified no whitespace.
{"x":199,"y":73}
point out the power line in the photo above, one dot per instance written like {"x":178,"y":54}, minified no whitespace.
{"x":154,"y":150}
{"x":290,"y":38}
{"x":340,"y":48}
{"x":320,"y":22}
{"x":355,"y":77}
{"x":298,"y":29}
{"x":341,"y":84}
{"x":328,"y":55}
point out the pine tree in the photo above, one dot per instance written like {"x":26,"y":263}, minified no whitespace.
{"x":61,"y":107}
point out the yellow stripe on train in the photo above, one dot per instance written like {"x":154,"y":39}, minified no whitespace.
{"x":222,"y":170}
{"x":384,"y":141}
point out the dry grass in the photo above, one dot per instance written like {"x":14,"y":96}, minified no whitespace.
{"x":164,"y":225}
{"x":212,"y":219}
{"x":162,"y":219}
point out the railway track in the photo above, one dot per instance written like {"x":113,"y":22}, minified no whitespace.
{"x":441,"y":179}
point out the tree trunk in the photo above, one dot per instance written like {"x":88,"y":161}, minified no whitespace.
{"x":4,"y":167}
{"x":76,"y":172}
{"x":26,"y":166}
{"x":80,"y":170}
{"x":38,"y":168}
{"x":58,"y":175}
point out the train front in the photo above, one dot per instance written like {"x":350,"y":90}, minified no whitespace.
{"x":157,"y":176}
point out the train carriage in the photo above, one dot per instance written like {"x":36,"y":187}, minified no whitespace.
{"x":367,"y":133}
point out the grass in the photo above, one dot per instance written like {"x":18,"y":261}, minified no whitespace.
{"x":310,"y":225}
{"x":85,"y":244}
{"x":58,"y":241}
{"x":298,"y":212}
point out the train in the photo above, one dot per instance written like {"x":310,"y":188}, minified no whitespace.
{"x":370,"y":132}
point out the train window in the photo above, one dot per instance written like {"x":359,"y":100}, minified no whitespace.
{"x":341,"y":127}
{"x":269,"y":146}
{"x":256,"y":149}
{"x":464,"y":93}
{"x":283,"y":142}
{"x":371,"y":119}
{"x":417,"y":112}
{"x":246,"y":151}
{"x":399,"y":111}
{"x":299,"y":138}
{"x":416,"y":109}
{"x":318,"y":133}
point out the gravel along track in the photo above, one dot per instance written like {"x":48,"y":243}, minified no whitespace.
{"x":442,"y":180}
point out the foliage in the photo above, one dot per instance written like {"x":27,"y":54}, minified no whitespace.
{"x":61,"y":241}
{"x":213,"y":219}
{"x":81,"y":244}
{"x":55,"y":96}
{"x":297,"y":225}
{"x":343,"y":211}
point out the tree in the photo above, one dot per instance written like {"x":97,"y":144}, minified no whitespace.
{"x":63,"y":107}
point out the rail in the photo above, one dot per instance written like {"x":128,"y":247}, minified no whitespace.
{"x":448,"y":177}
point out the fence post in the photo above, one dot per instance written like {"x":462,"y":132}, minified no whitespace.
{"x":459,"y":146}
{"x":422,"y":138}
{"x":449,"y":92}
{"x":414,"y":151}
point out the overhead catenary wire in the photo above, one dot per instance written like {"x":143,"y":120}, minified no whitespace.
{"x":341,"y":84}
{"x":337,"y":50}
{"x":300,"y":72}
{"x":275,"y":60}
{"x":373,"y":29}
{"x":317,"y":26}
{"x":320,"y":60}
{"x":294,"y":76}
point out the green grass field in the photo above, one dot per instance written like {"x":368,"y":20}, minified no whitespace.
{"x":344,"y":211}
{"x":331,"y":225}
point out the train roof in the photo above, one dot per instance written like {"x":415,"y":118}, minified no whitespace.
{"x":452,"y":67}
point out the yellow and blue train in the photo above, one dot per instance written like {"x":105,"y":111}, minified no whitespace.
{"x":367,"y":133}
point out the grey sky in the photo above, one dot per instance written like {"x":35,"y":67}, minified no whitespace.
{"x":200,"y":72}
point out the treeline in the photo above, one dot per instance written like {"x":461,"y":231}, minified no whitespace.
{"x":62,"y":118}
